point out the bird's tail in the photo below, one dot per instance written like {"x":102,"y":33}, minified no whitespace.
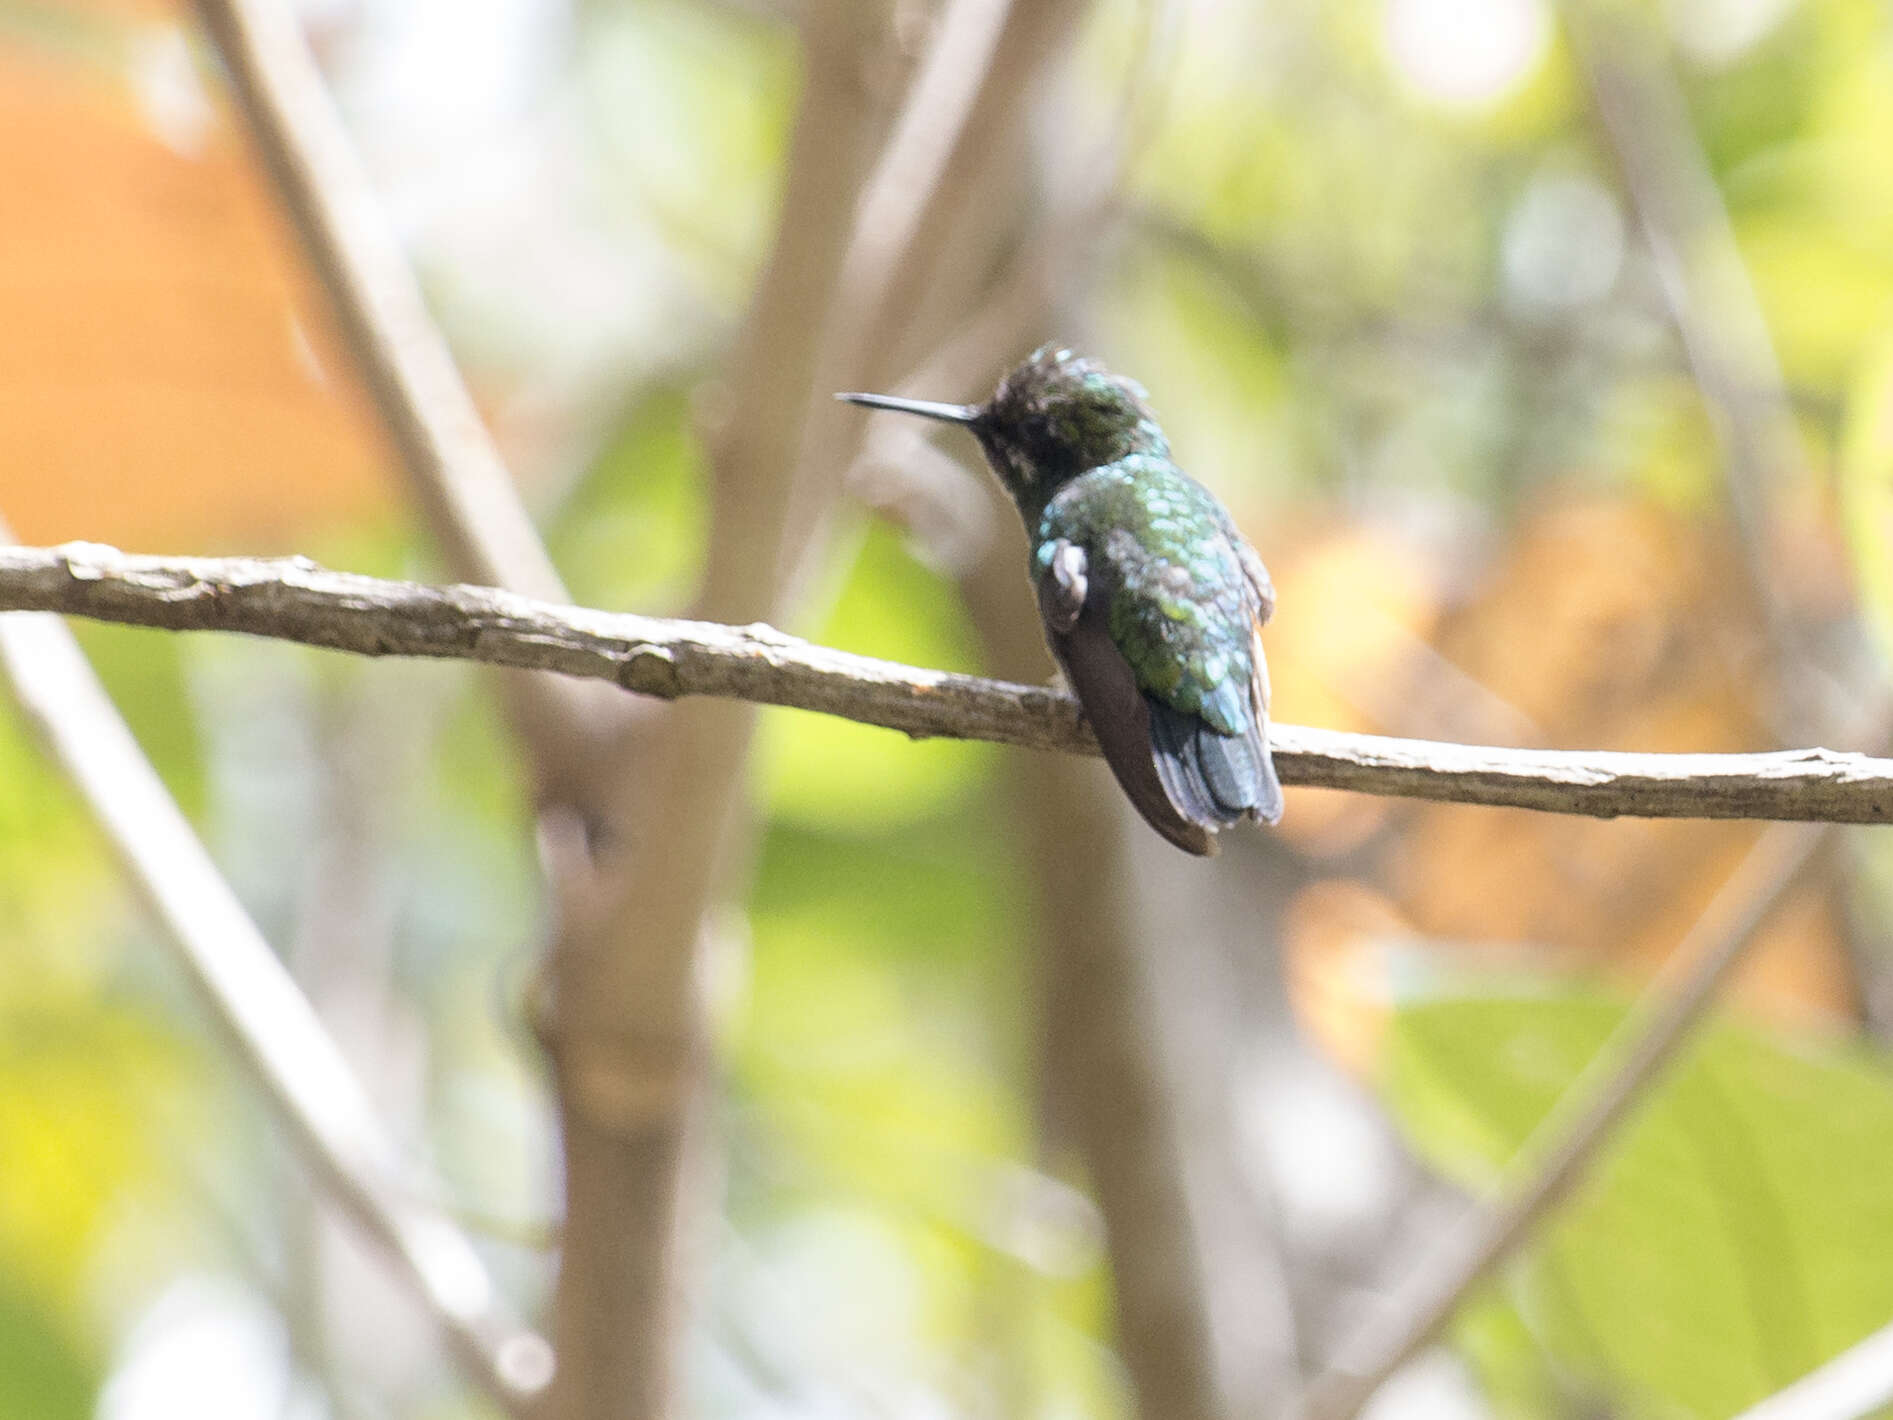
{"x":1214,"y":779}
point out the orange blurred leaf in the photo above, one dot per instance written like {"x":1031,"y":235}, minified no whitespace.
{"x":163,"y":382}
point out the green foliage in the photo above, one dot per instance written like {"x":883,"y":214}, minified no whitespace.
{"x":44,"y":1375}
{"x":1729,"y":1241}
{"x":819,"y":771}
{"x":54,"y":876}
{"x":631,"y":534}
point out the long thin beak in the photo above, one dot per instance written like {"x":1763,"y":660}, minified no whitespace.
{"x":925,"y":408}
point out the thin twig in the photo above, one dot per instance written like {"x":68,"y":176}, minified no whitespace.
{"x":266,"y":1018}
{"x":1644,"y":117}
{"x":452,"y":465}
{"x":292,"y":599}
{"x":1857,"y":1382}
{"x":1584,"y":1119}
{"x":375,"y":299}
{"x":1203,"y":1320}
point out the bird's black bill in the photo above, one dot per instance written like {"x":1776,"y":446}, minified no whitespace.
{"x":925,"y":408}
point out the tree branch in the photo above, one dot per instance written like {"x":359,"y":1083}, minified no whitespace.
{"x":263,"y":1014}
{"x":453,"y":467}
{"x":292,"y":599}
{"x":629,"y":1037}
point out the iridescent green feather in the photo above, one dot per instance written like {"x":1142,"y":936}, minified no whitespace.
{"x":1181,"y":610}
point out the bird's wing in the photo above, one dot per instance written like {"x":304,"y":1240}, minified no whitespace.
{"x":1260,"y":583}
{"x":1262,"y":606}
{"x":1076,"y":611}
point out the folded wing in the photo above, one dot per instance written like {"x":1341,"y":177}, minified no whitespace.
{"x":1075,"y":608}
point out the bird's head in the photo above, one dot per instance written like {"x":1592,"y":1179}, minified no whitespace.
{"x":1054,"y":416}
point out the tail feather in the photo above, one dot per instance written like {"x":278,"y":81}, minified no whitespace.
{"x":1268,"y":798}
{"x":1213,"y":779}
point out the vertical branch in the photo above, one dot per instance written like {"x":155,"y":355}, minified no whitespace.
{"x":625,"y":1027}
{"x":627,"y":1032}
{"x":1102,"y":1059}
{"x":1202,"y":1336}
{"x":1204,"y":1324}
{"x":1107,"y":1060}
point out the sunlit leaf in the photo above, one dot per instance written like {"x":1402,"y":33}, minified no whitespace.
{"x":46,"y":1378}
{"x":821,"y":770}
{"x":77,"y":1133}
{"x":631,"y":534}
{"x":164,"y":380}
{"x":1729,"y":1239}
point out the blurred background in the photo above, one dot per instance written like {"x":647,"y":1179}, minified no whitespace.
{"x":1545,"y":354}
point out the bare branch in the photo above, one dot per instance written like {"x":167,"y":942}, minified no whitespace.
{"x":1857,"y":1382}
{"x":266,"y":1018}
{"x":293,"y":599}
{"x":1585,"y":1117}
{"x":456,"y":473}
{"x":1204,"y":1322}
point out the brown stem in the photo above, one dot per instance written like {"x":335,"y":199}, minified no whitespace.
{"x":293,"y":599}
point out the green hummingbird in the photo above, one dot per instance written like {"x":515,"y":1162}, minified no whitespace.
{"x":1152,"y":602}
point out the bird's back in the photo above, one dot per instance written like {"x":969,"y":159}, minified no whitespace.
{"x":1182,"y":607}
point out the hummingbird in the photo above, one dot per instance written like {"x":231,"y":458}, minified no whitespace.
{"x":1153,"y":603}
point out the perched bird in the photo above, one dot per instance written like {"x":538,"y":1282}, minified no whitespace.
{"x":1153,"y":603}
